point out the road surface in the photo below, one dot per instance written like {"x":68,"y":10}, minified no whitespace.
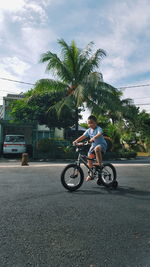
{"x":41,"y":224}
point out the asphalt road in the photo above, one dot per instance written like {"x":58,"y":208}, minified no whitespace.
{"x":41,"y":224}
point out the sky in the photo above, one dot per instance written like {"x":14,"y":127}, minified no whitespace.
{"x":29,"y":28}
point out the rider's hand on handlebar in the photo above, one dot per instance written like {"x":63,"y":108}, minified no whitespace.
{"x":74,"y":143}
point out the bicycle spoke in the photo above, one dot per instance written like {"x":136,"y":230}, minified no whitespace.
{"x":72,"y":177}
{"x":107,"y":174}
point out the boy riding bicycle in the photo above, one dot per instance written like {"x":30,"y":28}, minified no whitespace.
{"x":99,"y":145}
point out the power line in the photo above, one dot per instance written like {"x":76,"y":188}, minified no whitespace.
{"x":16,"y":81}
{"x":142,"y":97}
{"x":142,"y":104}
{"x":1,"y":90}
{"x":123,"y":87}
{"x":133,"y":86}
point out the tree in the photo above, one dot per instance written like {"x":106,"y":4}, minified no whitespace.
{"x":77,"y":79}
{"x":144,"y":128}
{"x":37,"y":110}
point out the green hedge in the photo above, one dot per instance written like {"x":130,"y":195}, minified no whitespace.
{"x":54,"y":149}
{"x":120,"y":154}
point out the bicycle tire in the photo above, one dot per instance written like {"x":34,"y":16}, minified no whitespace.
{"x":114,"y":173}
{"x":66,"y":186}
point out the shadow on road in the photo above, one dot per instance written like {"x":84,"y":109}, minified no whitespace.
{"x":125,"y":191}
{"x":86,"y":192}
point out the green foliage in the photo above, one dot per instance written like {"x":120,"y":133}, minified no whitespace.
{"x":36,"y":109}
{"x":84,"y":125}
{"x":78,"y":78}
{"x":58,"y":102}
{"x":114,"y":155}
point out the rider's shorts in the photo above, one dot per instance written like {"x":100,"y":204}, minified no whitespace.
{"x":91,"y":150}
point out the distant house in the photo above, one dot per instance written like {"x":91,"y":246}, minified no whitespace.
{"x":33,"y":132}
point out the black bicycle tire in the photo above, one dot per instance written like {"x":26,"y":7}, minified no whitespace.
{"x":114,"y":174}
{"x":63,"y":176}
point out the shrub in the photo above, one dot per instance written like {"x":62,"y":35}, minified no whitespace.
{"x":45,"y":145}
{"x":120,"y":154}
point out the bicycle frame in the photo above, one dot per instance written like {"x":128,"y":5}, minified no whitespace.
{"x":81,"y":160}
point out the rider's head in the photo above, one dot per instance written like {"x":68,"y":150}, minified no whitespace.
{"x":92,"y":121}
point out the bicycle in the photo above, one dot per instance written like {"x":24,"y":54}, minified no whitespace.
{"x":72,"y":176}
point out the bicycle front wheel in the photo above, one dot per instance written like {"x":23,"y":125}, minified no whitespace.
{"x":72,"y":177}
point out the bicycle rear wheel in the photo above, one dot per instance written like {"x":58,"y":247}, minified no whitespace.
{"x":72,"y":177}
{"x":108,"y":175}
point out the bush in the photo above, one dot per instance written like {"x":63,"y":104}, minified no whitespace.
{"x":120,"y":154}
{"x":51,"y":148}
{"x":45,"y":145}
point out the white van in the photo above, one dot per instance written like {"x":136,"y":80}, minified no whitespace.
{"x":14,"y":144}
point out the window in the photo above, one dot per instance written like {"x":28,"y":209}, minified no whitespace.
{"x":14,"y":139}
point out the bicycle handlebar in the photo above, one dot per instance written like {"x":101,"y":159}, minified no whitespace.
{"x":81,"y":144}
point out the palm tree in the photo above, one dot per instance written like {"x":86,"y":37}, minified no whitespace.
{"x":77,"y":78}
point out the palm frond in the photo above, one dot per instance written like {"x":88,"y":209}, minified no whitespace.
{"x":86,"y":52}
{"x":127,"y":101}
{"x":58,"y":107}
{"x":91,"y":64}
{"x":80,"y":95}
{"x":103,"y":95}
{"x":50,"y":85}
{"x":56,"y":65}
{"x":70,"y":55}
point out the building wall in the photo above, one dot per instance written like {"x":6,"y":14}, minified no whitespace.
{"x":59,"y":133}
{"x":1,"y":137}
{"x":1,"y":112}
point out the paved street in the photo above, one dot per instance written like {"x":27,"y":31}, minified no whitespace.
{"x":41,"y":224}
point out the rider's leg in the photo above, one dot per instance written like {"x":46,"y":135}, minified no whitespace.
{"x":98,"y":152}
{"x":90,"y":164}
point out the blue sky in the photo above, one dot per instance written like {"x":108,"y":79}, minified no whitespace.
{"x":29,"y":28}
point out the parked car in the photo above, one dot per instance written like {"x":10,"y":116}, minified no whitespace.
{"x":14,"y":144}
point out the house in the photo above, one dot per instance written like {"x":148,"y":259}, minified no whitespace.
{"x":33,"y":132}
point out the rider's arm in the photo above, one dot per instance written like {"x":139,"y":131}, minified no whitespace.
{"x":79,"y":139}
{"x":96,"y":136}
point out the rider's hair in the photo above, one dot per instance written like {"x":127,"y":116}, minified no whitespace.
{"x":92,"y":117}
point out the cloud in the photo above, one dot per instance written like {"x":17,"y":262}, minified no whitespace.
{"x":30,"y":14}
{"x":25,"y":11}
{"x":29,"y":28}
{"x":122,"y":29}
{"x":129,"y":22}
{"x":15,"y":65}
{"x":14,"y":5}
{"x":36,"y":41}
{"x":5,"y":86}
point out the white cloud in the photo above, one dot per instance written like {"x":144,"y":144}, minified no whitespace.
{"x":31,"y":14}
{"x":119,"y":27}
{"x":37,"y":41}
{"x":25,"y":11}
{"x":37,"y":9}
{"x":14,"y":5}
{"x":5,"y":86}
{"x":15,"y":65}
{"x":126,"y":56}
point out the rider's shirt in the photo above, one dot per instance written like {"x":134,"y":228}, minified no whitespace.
{"x":99,"y":140}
